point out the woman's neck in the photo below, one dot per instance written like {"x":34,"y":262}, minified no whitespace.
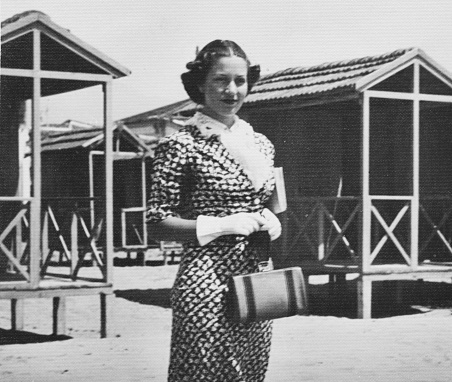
{"x":225,"y":120}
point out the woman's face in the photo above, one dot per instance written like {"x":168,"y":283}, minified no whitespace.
{"x":225,"y":88}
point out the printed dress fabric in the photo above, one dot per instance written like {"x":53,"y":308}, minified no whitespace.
{"x":194,"y":174}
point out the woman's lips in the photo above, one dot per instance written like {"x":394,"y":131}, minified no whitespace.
{"x":230,"y":101}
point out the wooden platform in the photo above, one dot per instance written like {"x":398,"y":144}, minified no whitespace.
{"x":56,"y":289}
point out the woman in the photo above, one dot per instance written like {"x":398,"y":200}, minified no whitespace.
{"x":211,"y":182}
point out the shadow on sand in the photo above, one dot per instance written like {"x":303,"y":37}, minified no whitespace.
{"x":156,"y":297}
{"x":13,"y":337}
{"x":389,"y":298}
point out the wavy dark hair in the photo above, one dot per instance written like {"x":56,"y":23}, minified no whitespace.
{"x":199,"y":68}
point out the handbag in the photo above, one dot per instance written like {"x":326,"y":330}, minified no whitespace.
{"x":267,"y":295}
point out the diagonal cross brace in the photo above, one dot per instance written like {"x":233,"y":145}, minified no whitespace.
{"x":389,"y":232}
{"x":340,"y":231}
{"x":17,"y":219}
{"x":303,"y":227}
{"x":436,"y":229}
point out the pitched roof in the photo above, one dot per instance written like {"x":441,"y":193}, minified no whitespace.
{"x":333,"y":77}
{"x":68,"y":125}
{"x":14,"y":28}
{"x":69,"y":139}
{"x":89,"y":139}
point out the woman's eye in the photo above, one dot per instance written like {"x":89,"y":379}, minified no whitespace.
{"x":240,"y":81}
{"x":221,"y":80}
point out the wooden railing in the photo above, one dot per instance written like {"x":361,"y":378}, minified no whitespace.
{"x":78,"y":239}
{"x":321,"y":227}
{"x":436,"y":243}
{"x":388,"y":227}
{"x":66,"y":231}
{"x":323,"y":224}
{"x":13,"y":238}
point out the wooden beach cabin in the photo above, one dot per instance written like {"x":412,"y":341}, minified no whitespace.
{"x":366,"y":147}
{"x":151,"y":126}
{"x":41,"y":59}
{"x":73,"y":180}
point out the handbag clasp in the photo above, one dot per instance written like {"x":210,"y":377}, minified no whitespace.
{"x":265,"y":266}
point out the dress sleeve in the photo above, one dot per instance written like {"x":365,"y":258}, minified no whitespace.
{"x":169,"y":168}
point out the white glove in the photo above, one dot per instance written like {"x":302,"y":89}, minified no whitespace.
{"x":272,"y":224}
{"x":209,"y":228}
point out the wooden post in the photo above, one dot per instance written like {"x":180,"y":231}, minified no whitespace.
{"x":106,"y":315}
{"x":364,"y":297}
{"x":321,"y":233}
{"x":415,"y":201}
{"x":123,"y":228}
{"x":45,"y":236}
{"x":17,"y":314}
{"x":331,"y":279}
{"x":35,"y":205}
{"x":399,"y":292}
{"x":367,"y":202}
{"x":74,"y":242}
{"x":59,"y":315}
{"x":144,"y":200}
{"x":108,"y":166}
{"x":91,"y":188}
{"x":18,"y":241}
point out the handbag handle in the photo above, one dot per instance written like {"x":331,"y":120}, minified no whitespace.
{"x":261,"y":242}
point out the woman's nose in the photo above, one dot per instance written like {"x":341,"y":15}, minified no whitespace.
{"x":231,"y":88}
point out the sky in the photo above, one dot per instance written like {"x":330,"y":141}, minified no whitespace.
{"x":156,"y":38}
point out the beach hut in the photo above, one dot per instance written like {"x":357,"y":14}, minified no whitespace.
{"x":366,"y":147}
{"x":41,"y":59}
{"x":73,"y":180}
{"x":151,"y":126}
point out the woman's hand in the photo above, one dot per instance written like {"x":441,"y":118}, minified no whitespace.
{"x":242,"y":223}
{"x":208,"y":228}
{"x":272,"y":224}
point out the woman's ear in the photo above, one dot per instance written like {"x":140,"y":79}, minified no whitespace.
{"x":201,"y":88}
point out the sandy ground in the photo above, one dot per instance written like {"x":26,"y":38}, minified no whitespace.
{"x":410,"y":343}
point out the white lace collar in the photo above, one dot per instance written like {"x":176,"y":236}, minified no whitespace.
{"x":240,"y":142}
{"x":209,"y":126}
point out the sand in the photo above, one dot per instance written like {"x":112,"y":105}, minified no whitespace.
{"x":411,"y":343}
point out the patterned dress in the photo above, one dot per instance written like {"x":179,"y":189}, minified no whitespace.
{"x":196,"y":175}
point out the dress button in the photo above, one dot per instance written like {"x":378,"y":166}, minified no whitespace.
{"x":257,"y":201}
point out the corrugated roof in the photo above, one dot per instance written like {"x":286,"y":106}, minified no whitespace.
{"x":90,"y":138}
{"x":320,"y":79}
{"x":69,"y":140}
